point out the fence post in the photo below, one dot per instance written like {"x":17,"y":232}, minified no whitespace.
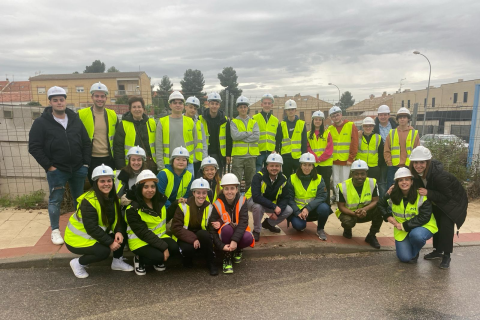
{"x":232,"y":103}
{"x":226,"y":102}
{"x":415,"y":112}
{"x":474,"y":141}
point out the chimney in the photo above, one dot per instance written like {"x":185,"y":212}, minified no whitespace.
{"x":460,"y":80}
{"x":372,"y":96}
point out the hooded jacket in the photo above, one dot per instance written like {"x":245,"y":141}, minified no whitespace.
{"x":271,"y":190}
{"x":402,"y":137}
{"x":194,"y":225}
{"x":53,"y":145}
{"x":213,"y":126}
{"x":376,"y":129}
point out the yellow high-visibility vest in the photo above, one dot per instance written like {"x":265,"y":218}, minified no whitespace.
{"x":207,"y":212}
{"x":304,"y":197}
{"x":395,"y":146}
{"x":318,"y":146}
{"x":268,"y":131}
{"x":292,"y":145}
{"x":341,"y":141}
{"x":86,"y":116}
{"x":368,"y":152}
{"x":182,"y":189}
{"x":263,"y":187}
{"x":198,"y":155}
{"x":241,"y":148}
{"x":352,"y":200}
{"x":130,"y":135}
{"x":188,"y":128}
{"x":222,"y":135}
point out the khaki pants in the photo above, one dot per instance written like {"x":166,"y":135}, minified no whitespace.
{"x":241,"y":166}
{"x":374,"y":215}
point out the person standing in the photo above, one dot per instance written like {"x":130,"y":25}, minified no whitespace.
{"x":370,"y":149}
{"x":101,"y":124}
{"x":60,"y":144}
{"x":268,"y":126}
{"x":201,"y":147}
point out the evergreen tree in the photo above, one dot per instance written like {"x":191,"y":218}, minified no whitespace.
{"x":96,"y":67}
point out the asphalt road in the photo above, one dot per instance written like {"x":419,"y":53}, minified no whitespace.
{"x":357,"y":286}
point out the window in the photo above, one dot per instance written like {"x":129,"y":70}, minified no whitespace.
{"x":465,"y":96}
{"x":79,"y":89}
{"x":455,"y":97}
{"x":302,"y":115}
{"x":408,"y":104}
{"x":35,"y":115}
{"x":403,"y":103}
{"x":433,"y":102}
{"x":256,"y":111}
{"x":66,"y":89}
{"x":113,"y":100}
{"x":41,"y":90}
{"x":8,"y":114}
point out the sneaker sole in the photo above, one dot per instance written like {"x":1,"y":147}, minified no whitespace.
{"x":59,"y":243}
{"x":434,"y":258}
{"x":140,"y":274}
{"x":237,"y":261}
{"x":159,"y":269}
{"x":80,"y":277}
{"x":227,"y":271}
{"x":119,"y":269}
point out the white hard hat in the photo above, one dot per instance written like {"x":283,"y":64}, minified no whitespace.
{"x":290,"y":104}
{"x":56,"y":91}
{"x":242,"y":101}
{"x":274,"y":158}
{"x":268,"y":96}
{"x":180,"y":152}
{"x":99,"y":87}
{"x":102,"y":170}
{"x":403,"y":111}
{"x":368,"y":120}
{"x":146,"y":175}
{"x":359,"y":165}
{"x":209,"y":161}
{"x":193,"y":100}
{"x":213,"y":96}
{"x":333,"y":110}
{"x":402,"y":173}
{"x":420,"y":153}
{"x":137,"y":151}
{"x":176,"y":95}
{"x":307,"y":158}
{"x":228,"y":179}
{"x":200,"y":183}
{"x":383,"y":109}
{"x":318,"y":114}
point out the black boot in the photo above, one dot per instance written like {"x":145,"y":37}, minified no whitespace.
{"x":347,"y":233}
{"x":187,"y":262}
{"x":414,"y":259}
{"x":212,"y":267}
{"x":445,"y":264}
{"x":256,"y":236}
{"x":372,"y":240}
{"x":433,"y":255}
{"x":269,"y":227}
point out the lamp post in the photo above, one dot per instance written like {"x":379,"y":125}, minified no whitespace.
{"x":331,"y":84}
{"x":428,"y":89}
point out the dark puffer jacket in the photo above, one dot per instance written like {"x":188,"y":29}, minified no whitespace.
{"x":446,"y":192}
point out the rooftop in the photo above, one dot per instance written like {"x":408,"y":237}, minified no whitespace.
{"x":74,"y":76}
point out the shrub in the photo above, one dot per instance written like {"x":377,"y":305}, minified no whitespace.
{"x":35,"y":199}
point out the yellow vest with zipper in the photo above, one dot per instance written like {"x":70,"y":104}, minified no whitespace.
{"x":263,"y":187}
{"x":182,"y":189}
{"x":207,"y":212}
{"x":292,"y":145}
{"x":368,"y":152}
{"x":341,"y":141}
{"x":352,"y":200}
{"x":189,"y":143}
{"x":222,"y":135}
{"x":304,"y":197}
{"x":157,"y":225}
{"x":130,"y":135}
{"x":318,"y":146}
{"x":241,"y":148}
{"x":268,"y":131}
{"x":395,"y":146}
{"x":86,"y":116}
{"x":198,"y":155}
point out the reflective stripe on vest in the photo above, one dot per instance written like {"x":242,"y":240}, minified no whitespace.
{"x":130,"y":135}
{"x":402,"y":214}
{"x":182,"y":189}
{"x":350,"y":194}
{"x":292,"y":145}
{"x":341,"y":141}
{"x":188,"y":143}
{"x":318,"y":146}
{"x":304,"y":197}
{"x":207,"y":212}
{"x":222,"y":135}
{"x":198,"y":152}
{"x":86,"y":116}
{"x":368,"y":152}
{"x":395,"y":146}
{"x":157,"y":225}
{"x":263,"y":187}
{"x":241,"y":148}
{"x":268,"y":130}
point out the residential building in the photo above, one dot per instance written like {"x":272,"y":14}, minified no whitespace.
{"x":15,"y":92}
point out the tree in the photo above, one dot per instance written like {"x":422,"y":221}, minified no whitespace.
{"x":76,"y":72}
{"x":160,"y":97}
{"x":346,"y":101}
{"x":34,"y":104}
{"x":192,"y":84}
{"x":113,"y":69}
{"x":96,"y":67}
{"x":165,"y":85}
{"x":228,"y":79}
{"x":122,"y":100}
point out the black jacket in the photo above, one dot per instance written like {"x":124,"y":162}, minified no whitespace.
{"x":51,"y":145}
{"x":213,"y":125}
{"x":138,"y":226}
{"x":446,"y":192}
{"x":141,"y":138}
{"x":91,"y":223}
{"x":270,"y":194}
{"x":291,"y":126}
{"x":423,"y":216}
{"x":320,"y":197}
{"x":376,"y":129}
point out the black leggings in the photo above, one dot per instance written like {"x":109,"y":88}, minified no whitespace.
{"x":206,"y":246}
{"x":326,"y":173}
{"x":151,"y":256}
{"x":97,"y":252}
{"x":443,"y":239}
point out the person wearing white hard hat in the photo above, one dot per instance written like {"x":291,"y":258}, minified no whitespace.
{"x":291,"y":138}
{"x":307,"y":197}
{"x":411,"y":230}
{"x":358,"y":197}
{"x":449,"y":201}
{"x":147,"y":226}
{"x":229,"y":219}
{"x":127,"y":177}
{"x":370,"y":149}
{"x":173,"y":131}
{"x":383,"y":124}
{"x":60,"y":144}
{"x":399,"y":144}
{"x":217,"y":130}
{"x":345,"y":145}
{"x":191,"y":225}
{"x":135,"y":129}
{"x":245,"y":134}
{"x":96,"y":228}
{"x":201,"y":147}
{"x":269,"y":194}
{"x":101,"y":124}
{"x":209,"y":172}
{"x":268,"y":125}
{"x":320,"y":144}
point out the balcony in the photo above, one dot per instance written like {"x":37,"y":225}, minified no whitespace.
{"x":120,"y":93}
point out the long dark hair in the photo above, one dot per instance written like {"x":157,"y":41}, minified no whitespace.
{"x":312,"y":130}
{"x":155,"y":200}
{"x":397,"y":194}
{"x":217,"y":182}
{"x":313,"y":174}
{"x":128,"y":169}
{"x":103,"y":202}
{"x":414,"y":172}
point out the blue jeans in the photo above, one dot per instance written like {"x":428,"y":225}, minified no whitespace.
{"x":320,"y":214}
{"x":56,"y":184}
{"x":261,"y":160}
{"x":411,"y":245}
{"x":390,"y":176}
{"x":382,"y":184}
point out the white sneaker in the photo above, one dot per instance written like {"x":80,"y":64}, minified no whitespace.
{"x":78,"y":269}
{"x":56,"y":237}
{"x":118,"y":264}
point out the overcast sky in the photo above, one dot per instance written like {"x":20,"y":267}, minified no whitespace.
{"x":280,"y":47}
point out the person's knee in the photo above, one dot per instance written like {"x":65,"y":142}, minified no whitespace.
{"x":103,"y":252}
{"x":403,"y":257}
{"x":323,"y":210}
{"x":348,"y":221}
{"x":288,"y":211}
{"x":257,"y":208}
{"x":298,"y":224}
{"x":203,"y":235}
{"x":418,"y":236}
{"x":247,"y":238}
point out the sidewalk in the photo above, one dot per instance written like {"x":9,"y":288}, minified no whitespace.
{"x":25,"y":238}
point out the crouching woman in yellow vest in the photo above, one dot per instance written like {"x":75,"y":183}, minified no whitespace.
{"x":147,"y":225}
{"x":411,"y":216}
{"x":96,"y":228}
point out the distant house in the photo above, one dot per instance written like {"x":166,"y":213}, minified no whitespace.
{"x":15,"y":92}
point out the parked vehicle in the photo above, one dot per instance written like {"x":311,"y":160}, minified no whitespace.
{"x":446,"y":138}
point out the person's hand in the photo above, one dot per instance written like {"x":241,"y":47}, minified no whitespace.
{"x":398,"y":225}
{"x":114,"y":246}
{"x":124,"y":201}
{"x":229,"y":160}
{"x":233,"y":246}
{"x":196,"y":244}
{"x":389,"y":191}
{"x":277,"y":210}
{"x":274,"y":152}
{"x":273,"y":216}
{"x":119,"y":237}
{"x":392,"y":220}
{"x":182,"y":200}
{"x":226,"y":247}
{"x":422,"y":191}
{"x":303,"y":214}
{"x":166,"y":255}
{"x":216,"y":225}
{"x":349,"y":163}
{"x":52,"y":168}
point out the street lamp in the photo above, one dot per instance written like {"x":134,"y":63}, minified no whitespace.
{"x":428,"y":89}
{"x":331,"y":84}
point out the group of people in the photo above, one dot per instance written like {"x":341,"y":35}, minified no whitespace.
{"x":161,"y":186}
